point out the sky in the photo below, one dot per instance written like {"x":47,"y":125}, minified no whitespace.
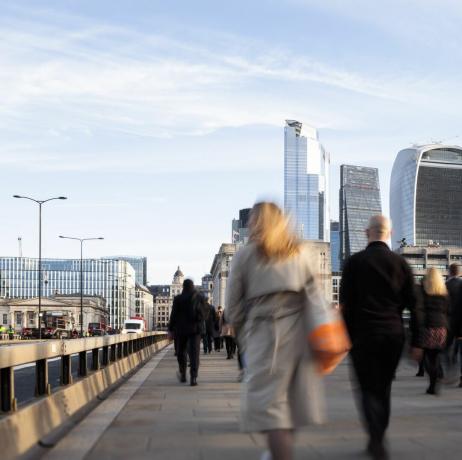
{"x":160,"y":120}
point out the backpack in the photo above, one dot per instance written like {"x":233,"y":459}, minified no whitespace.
{"x":200,"y":312}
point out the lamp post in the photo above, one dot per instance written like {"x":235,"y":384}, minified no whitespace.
{"x":81,"y":272}
{"x":40,"y":203}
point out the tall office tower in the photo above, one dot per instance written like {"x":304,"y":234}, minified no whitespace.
{"x":306,"y":181}
{"x":138,"y":263}
{"x":359,"y":200}
{"x":240,"y":227}
{"x":426,"y":196}
{"x":335,"y":246}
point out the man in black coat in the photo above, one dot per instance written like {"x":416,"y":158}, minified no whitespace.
{"x":209,"y":325}
{"x":454,"y":286}
{"x":186,"y":321}
{"x":377,"y":284}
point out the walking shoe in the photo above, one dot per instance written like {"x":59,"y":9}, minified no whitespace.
{"x":419,"y":374}
{"x":181,"y":377}
{"x":377,"y":451}
{"x":193,"y":381}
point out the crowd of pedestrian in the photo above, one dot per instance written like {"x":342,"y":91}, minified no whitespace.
{"x":271,"y":292}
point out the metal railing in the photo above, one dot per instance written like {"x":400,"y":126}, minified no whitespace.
{"x":113,"y":347}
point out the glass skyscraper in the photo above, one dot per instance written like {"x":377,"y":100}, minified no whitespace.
{"x":139,"y":264}
{"x":426,"y":196}
{"x":359,"y":200}
{"x":306,"y":181}
{"x":335,"y":246}
{"x":112,"y":279}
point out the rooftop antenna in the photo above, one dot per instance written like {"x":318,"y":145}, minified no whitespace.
{"x":20,"y":246}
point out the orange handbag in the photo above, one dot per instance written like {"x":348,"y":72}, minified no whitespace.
{"x":329,"y":343}
{"x":327,"y":335}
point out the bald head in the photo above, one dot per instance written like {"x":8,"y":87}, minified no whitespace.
{"x":379,"y":229}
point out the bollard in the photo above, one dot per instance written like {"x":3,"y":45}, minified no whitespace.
{"x":66,"y":371}
{"x":83,"y":364}
{"x":105,"y":357}
{"x":8,"y":401}
{"x":113,"y":355}
{"x":42,"y":386}
{"x":95,"y":359}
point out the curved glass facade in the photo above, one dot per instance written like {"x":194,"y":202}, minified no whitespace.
{"x":426,"y":196}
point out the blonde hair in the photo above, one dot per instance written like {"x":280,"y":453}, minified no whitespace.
{"x":271,"y":232}
{"x":433,"y":282}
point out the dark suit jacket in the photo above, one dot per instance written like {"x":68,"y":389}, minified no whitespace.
{"x":454,"y":286}
{"x":185,"y":319}
{"x":377,"y":284}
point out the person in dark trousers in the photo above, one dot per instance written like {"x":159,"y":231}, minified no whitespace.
{"x":454,"y":287}
{"x":218,"y":324}
{"x":186,"y":322}
{"x":435,"y":305}
{"x":377,"y":284}
{"x":209,"y":325}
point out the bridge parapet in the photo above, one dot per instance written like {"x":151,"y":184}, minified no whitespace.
{"x":111,"y":358}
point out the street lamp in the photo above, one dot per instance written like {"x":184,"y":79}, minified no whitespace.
{"x":40,"y":202}
{"x":81,"y":272}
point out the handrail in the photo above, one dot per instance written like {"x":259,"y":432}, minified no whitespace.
{"x":114,"y":347}
{"x":18,"y":354}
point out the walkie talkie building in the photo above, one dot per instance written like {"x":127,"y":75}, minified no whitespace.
{"x":426,"y":196}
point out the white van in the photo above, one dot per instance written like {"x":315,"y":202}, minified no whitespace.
{"x":133,"y":326}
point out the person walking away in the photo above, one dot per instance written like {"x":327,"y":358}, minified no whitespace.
{"x":453,"y":347}
{"x":376,"y":285}
{"x":217,"y":329}
{"x":435,"y":304}
{"x":186,"y":322}
{"x":227,"y":332}
{"x":209,"y":325}
{"x":11,"y":332}
{"x":269,"y":282}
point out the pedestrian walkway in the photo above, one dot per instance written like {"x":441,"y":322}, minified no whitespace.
{"x":164,"y":419}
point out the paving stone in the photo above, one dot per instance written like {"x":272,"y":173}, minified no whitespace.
{"x":168,"y":420}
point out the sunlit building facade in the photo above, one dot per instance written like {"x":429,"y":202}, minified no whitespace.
{"x":426,"y":196}
{"x":114,"y":280}
{"x":359,"y":200}
{"x":306,"y":181}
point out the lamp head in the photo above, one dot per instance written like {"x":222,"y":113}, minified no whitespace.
{"x":62,"y":197}
{"x":17,"y":196}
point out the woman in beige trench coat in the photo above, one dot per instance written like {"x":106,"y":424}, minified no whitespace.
{"x":266,"y":297}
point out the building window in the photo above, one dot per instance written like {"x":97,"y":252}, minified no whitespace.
{"x":5,"y":318}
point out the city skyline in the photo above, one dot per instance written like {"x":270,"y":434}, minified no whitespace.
{"x":141,"y":115}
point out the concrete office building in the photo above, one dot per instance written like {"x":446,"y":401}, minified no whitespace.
{"x":220,"y":273}
{"x":114,"y":280}
{"x":359,"y":200}
{"x":306,"y":181}
{"x":163,"y":296}
{"x":426,"y":196}
{"x":23,"y":313}
{"x":422,"y":257}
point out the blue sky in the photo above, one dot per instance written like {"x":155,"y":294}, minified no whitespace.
{"x":159,"y":120}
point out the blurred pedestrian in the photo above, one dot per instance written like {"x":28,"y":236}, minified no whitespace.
{"x":435,"y":305}
{"x":209,"y":325}
{"x":453,"y":347}
{"x":11,"y":332}
{"x":186,"y":322}
{"x":218,"y":324}
{"x":227,"y":332}
{"x":267,"y":288}
{"x":377,"y":284}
